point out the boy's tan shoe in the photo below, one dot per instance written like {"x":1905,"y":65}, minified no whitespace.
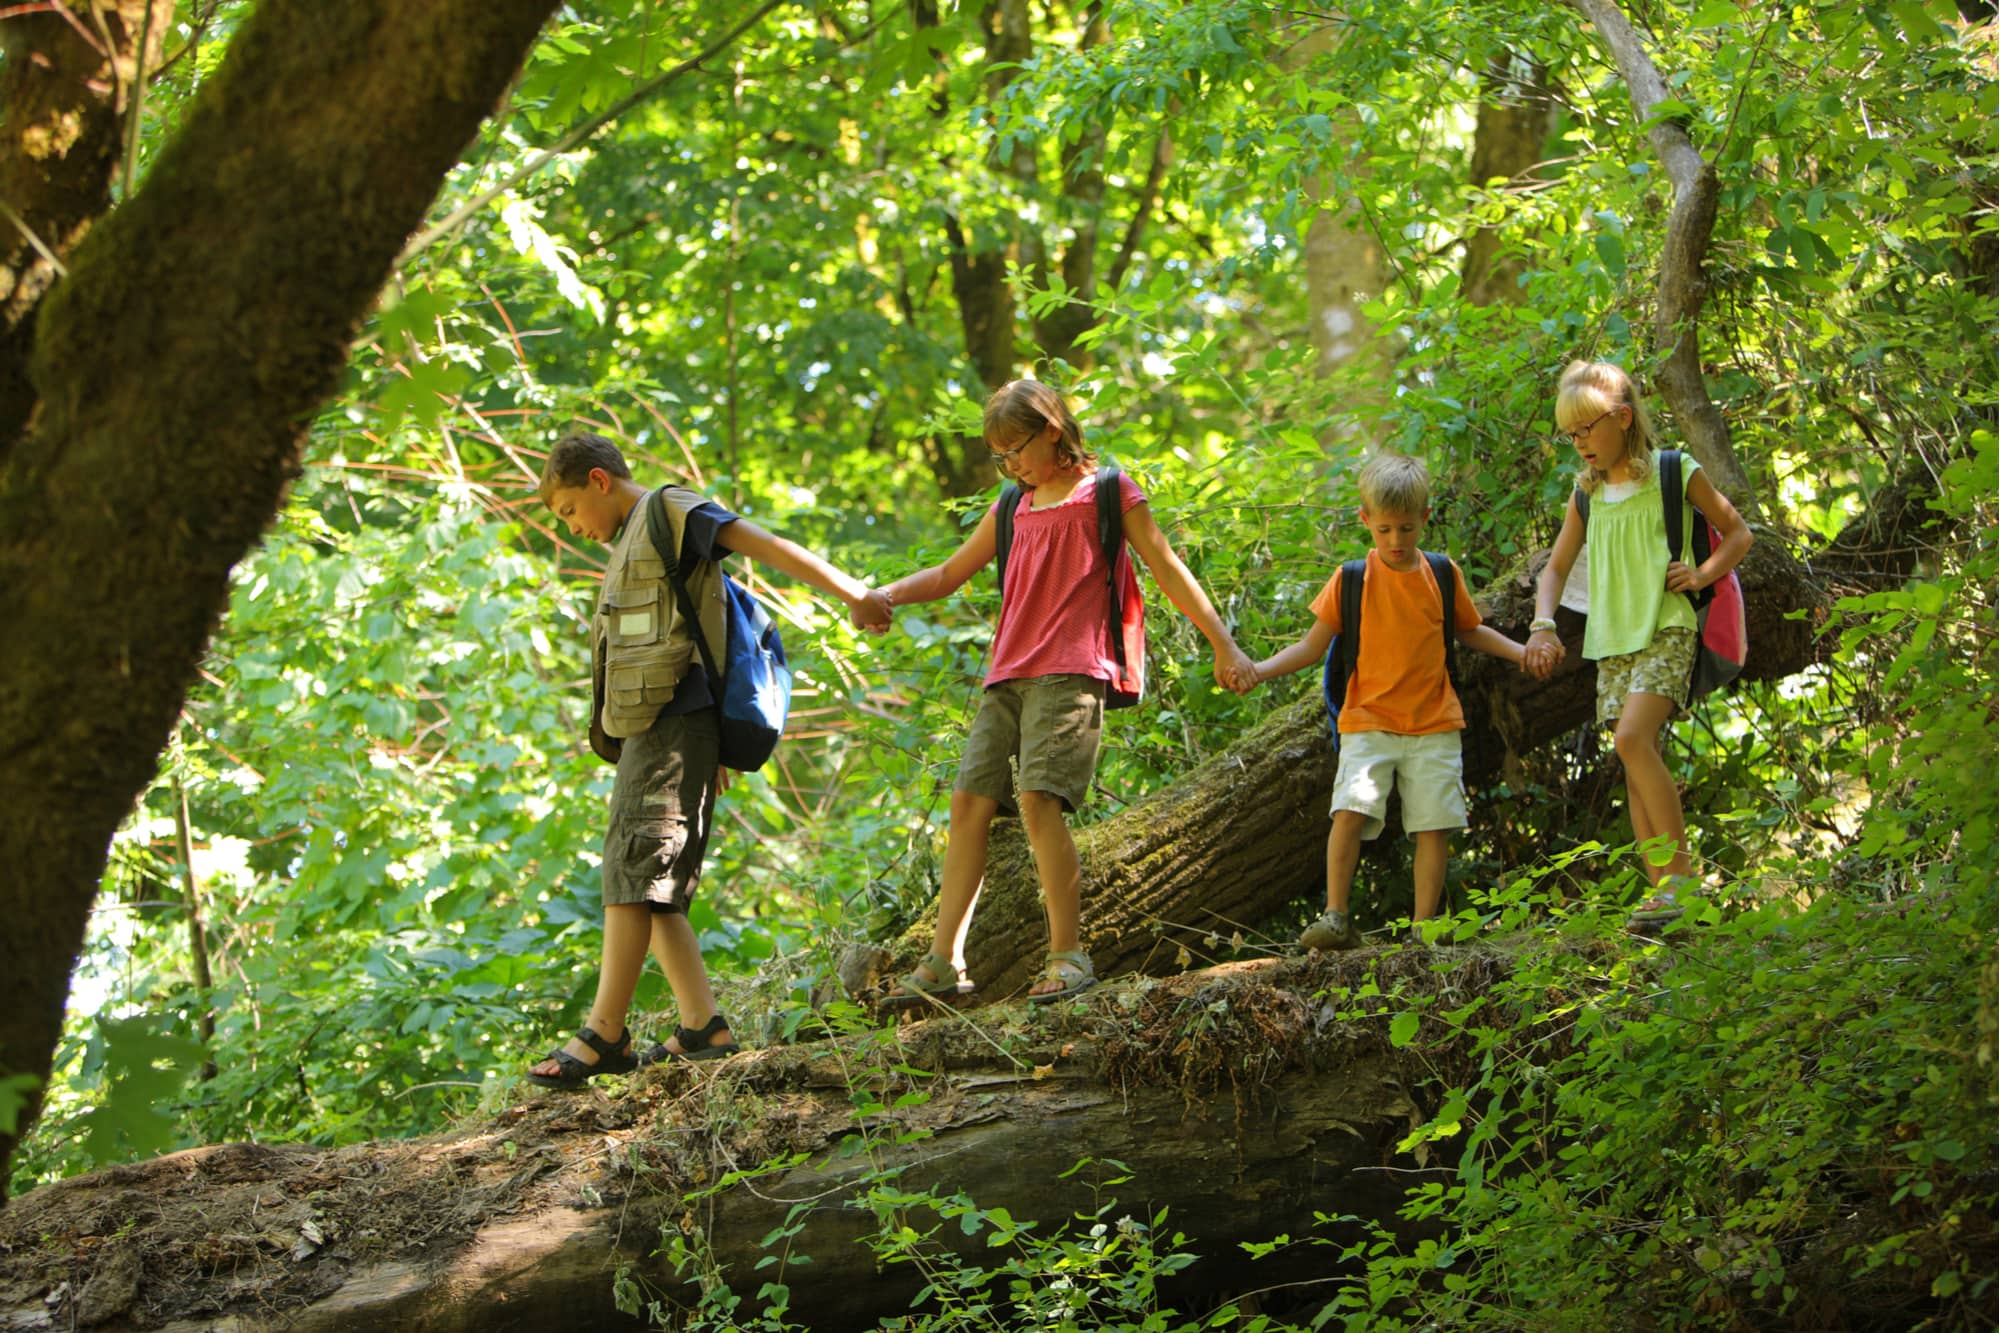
{"x":1331,"y":931}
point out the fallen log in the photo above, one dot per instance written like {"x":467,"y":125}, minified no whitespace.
{"x":1234,"y":1100}
{"x":1242,"y":837}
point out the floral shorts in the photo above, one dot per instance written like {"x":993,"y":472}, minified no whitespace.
{"x":1662,"y":667}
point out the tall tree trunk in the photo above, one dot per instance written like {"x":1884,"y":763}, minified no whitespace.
{"x":1345,"y":268}
{"x":174,"y":371}
{"x":66,"y":102}
{"x":1683,"y":286}
{"x":1516,"y":116}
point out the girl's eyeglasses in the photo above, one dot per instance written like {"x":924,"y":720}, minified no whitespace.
{"x":1575,"y":437}
{"x":1005,"y":456}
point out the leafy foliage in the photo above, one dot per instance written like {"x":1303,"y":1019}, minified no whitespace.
{"x":753,"y":276}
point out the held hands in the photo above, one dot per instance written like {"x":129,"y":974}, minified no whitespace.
{"x":1543,"y":654}
{"x":871,"y":611}
{"x":1683,"y":578}
{"x":1236,"y":672}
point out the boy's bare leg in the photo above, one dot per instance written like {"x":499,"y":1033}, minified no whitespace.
{"x":627,"y":931}
{"x":1060,"y":870}
{"x":1649,"y":786}
{"x":1343,"y":853}
{"x":1433,"y":849}
{"x":964,"y":871}
{"x":675,"y":945}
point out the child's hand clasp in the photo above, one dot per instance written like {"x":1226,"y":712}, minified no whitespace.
{"x":1682,"y":578}
{"x":872,"y":612}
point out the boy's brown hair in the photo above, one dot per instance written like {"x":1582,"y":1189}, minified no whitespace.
{"x":570,"y":463}
{"x":1395,"y":484}
{"x":1024,"y":408}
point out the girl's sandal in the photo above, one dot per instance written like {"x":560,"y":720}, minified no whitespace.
{"x":694,"y":1044}
{"x":913,"y":987}
{"x":1658,"y":909}
{"x":613,"y":1057}
{"x":1072,"y":968}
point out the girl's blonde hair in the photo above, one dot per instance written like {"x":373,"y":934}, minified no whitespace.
{"x":1589,"y":389}
{"x":1024,"y":408}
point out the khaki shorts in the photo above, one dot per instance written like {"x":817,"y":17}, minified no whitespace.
{"x":1662,"y":667}
{"x":661,"y":805}
{"x":1426,"y":771}
{"x":1048,"y":727}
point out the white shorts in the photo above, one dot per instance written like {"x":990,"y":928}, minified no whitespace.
{"x":1426,"y":770}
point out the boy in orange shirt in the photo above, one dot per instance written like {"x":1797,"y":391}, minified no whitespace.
{"x":1400,"y":720}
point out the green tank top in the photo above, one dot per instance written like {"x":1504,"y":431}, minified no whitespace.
{"x":1629,"y":601}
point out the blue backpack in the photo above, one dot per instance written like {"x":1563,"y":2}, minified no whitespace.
{"x":1345,"y":651}
{"x":755,"y":685}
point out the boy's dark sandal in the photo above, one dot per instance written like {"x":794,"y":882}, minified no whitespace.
{"x":613,"y":1057}
{"x":694,"y":1044}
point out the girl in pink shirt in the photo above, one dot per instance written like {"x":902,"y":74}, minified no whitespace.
{"x":1043,"y":708}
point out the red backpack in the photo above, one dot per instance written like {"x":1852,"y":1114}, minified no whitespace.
{"x":1128,"y":610}
{"x":1722,"y":640}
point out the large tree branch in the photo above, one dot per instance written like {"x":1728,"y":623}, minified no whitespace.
{"x":64,"y":95}
{"x":1683,"y":284}
{"x":176,"y":367}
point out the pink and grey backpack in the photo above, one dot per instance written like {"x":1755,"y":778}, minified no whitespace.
{"x":1722,"y":639}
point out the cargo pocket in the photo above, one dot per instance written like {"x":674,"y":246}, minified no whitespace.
{"x":646,"y":685}
{"x":652,"y":861}
{"x":633,"y":616}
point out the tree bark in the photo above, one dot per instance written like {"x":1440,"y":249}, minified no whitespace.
{"x":1242,"y":837}
{"x":174,"y":370}
{"x":65,"y":96}
{"x":1683,"y":285}
{"x":1273,"y":1114}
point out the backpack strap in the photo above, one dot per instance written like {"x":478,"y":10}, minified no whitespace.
{"x":1447,"y":584}
{"x":1672,"y":509}
{"x":1111,"y":539}
{"x":1581,"y":499}
{"x":661,"y":532}
{"x":1003,"y":530}
{"x":1352,"y":575}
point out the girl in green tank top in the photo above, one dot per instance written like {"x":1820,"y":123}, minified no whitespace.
{"x":1641,"y":625}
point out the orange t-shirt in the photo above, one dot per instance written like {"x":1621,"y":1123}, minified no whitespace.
{"x":1400,"y":684}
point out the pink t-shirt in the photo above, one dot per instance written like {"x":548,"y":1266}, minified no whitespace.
{"x":1055,"y":605}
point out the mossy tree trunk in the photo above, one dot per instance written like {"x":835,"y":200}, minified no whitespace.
{"x":1277,"y":1111}
{"x":168,"y":385}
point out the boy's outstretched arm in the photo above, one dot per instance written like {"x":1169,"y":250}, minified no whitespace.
{"x":869,"y":606}
{"x":1494,"y":644}
{"x":928,"y":585}
{"x":1308,"y":651}
{"x":1232,"y":664}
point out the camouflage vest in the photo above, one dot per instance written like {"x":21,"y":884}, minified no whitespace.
{"x":640,"y":645}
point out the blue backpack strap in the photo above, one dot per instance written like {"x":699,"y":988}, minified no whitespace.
{"x":659,"y":530}
{"x":1003,"y":530}
{"x":1345,"y":651}
{"x":1111,"y":539}
{"x":1447,"y":583}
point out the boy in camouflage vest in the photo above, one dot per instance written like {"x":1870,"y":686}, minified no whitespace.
{"x":653,"y":714}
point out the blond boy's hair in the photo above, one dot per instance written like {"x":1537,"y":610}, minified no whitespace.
{"x":1589,"y":389}
{"x":1395,"y":484}
{"x":570,"y":463}
{"x":1025,"y":408}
